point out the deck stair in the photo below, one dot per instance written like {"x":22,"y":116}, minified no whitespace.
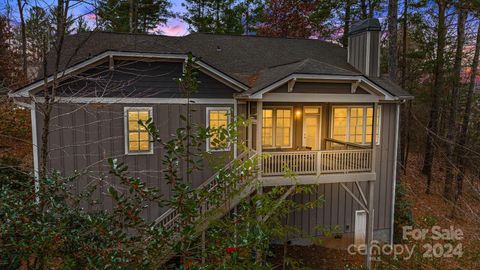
{"x":208,"y":212}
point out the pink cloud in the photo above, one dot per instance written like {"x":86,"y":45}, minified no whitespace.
{"x":91,"y":16}
{"x":172,"y":28}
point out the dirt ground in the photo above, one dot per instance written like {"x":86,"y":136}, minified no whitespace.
{"x":428,"y":210}
{"x":316,"y":257}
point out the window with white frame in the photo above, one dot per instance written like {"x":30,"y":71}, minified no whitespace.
{"x":354,"y":124}
{"x":137,"y":138}
{"x":217,"y":117}
{"x":277,"y":127}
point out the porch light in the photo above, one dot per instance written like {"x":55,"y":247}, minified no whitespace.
{"x":298,"y":113}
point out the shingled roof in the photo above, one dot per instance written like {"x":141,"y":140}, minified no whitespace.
{"x":252,"y":60}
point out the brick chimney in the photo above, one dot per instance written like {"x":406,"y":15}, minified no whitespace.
{"x":364,"y":47}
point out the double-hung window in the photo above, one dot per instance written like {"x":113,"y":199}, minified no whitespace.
{"x":217,"y":117}
{"x":137,"y":138}
{"x":277,"y":127}
{"x":354,"y":124}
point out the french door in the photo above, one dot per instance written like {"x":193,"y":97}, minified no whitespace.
{"x":312,"y":120}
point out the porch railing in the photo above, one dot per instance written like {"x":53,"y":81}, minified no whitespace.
{"x":332,"y":144}
{"x":317,"y":162}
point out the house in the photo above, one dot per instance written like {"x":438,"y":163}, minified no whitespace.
{"x":323,"y":110}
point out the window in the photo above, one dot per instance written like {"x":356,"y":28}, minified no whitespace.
{"x":267,"y":128}
{"x":216,"y":118}
{"x":137,"y":138}
{"x":277,"y":127}
{"x":354,"y":124}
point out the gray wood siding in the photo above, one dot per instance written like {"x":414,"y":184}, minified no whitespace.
{"x":84,"y":136}
{"x":339,"y":208}
{"x":374,"y":54}
{"x":357,"y":49}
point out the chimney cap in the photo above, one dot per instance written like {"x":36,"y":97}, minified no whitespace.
{"x":371,"y":24}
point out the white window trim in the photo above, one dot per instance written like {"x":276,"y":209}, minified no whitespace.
{"x":125,"y":120}
{"x":274,"y":126}
{"x":207,"y":124}
{"x":347,"y":128}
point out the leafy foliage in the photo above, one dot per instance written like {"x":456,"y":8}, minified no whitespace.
{"x":137,"y":16}
{"x":215,"y":16}
{"x":403,"y":213}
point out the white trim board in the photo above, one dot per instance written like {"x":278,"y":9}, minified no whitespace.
{"x":307,"y":97}
{"x":112,"y":100}
{"x":210,"y":70}
{"x":368,"y":85}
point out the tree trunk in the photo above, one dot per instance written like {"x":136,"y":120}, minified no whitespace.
{"x":371,"y":8}
{"x":452,"y":110}
{"x":462,"y":137}
{"x":130,"y":16}
{"x":438,"y":88}
{"x":23,"y":37}
{"x":49,"y":93}
{"x":346,"y":24}
{"x":392,"y":39}
{"x":363,"y":9}
{"x":404,"y":124}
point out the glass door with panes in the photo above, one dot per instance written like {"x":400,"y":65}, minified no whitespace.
{"x":311,"y":127}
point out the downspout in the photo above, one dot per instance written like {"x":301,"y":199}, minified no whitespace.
{"x":33,"y":113}
{"x":397,"y":129}
{"x":33,"y":118}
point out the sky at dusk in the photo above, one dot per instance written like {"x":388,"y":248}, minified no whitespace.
{"x":174,"y":26}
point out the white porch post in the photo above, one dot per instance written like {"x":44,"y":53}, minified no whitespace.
{"x":374,"y":135}
{"x":258,"y":132}
{"x":258,"y":148}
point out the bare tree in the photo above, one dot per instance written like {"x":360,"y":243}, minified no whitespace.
{"x":437,"y":89}
{"x":49,"y":89}
{"x":21,"y":6}
{"x":461,"y":143}
{"x":346,"y":23}
{"x":407,"y":109}
{"x":392,"y":39}
{"x":454,"y":97}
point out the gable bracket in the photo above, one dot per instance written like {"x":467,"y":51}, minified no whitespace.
{"x":111,"y":62}
{"x":355,"y":86}
{"x":291,"y":84}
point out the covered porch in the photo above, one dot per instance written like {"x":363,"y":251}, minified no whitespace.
{"x":316,"y":142}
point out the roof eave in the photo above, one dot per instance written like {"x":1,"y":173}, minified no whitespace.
{"x":25,"y":91}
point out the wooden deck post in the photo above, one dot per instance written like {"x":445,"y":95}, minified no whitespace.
{"x":235,"y":114}
{"x":370,"y":223}
{"x":249,"y":129}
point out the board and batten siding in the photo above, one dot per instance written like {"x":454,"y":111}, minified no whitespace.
{"x":339,"y":207}
{"x":84,"y":136}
